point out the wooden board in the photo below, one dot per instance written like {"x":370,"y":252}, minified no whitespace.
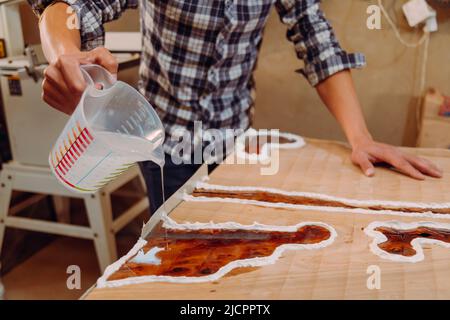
{"x":335,"y":272}
{"x":434,"y":129}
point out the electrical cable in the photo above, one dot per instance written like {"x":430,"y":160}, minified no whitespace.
{"x":397,"y":32}
{"x":422,"y":83}
{"x":425,"y":39}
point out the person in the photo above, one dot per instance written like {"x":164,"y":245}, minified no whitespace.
{"x":197,"y":63}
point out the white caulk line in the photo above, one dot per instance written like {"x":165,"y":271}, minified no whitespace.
{"x":347,"y":201}
{"x":283,"y":205}
{"x":103,"y":281}
{"x":98,"y":163}
{"x":417,"y":243}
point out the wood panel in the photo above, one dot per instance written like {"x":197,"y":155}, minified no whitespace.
{"x":335,"y":272}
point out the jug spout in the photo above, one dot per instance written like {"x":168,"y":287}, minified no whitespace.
{"x":157,"y":155}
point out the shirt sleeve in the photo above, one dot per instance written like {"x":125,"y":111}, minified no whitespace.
{"x":314,"y":40}
{"x":91,"y":16}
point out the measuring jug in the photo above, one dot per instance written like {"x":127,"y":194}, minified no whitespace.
{"x":110,"y":130}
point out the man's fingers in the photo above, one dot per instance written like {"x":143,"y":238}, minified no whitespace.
{"x":364,"y":163}
{"x":54,"y":78}
{"x":64,"y":83}
{"x":51,"y":101}
{"x":424,"y":166}
{"x":433,"y":166}
{"x":55,"y":90}
{"x":397,"y":160}
{"x":73,"y":78}
{"x":48,"y":88}
{"x":104,"y":58}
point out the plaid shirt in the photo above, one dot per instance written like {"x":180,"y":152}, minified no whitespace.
{"x":198,"y":55}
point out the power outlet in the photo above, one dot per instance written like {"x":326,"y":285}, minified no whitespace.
{"x":417,"y":11}
{"x":431,"y":24}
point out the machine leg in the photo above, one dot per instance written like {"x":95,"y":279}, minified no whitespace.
{"x":62,"y":208}
{"x":99,"y":213}
{"x":5,"y":198}
{"x":2,"y":288}
{"x":142,"y":181}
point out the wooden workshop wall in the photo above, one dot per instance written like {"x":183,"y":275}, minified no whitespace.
{"x":388,"y":86}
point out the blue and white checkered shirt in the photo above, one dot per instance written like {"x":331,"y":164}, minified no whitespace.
{"x":198,"y":56}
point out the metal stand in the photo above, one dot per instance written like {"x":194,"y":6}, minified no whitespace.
{"x":40,"y":180}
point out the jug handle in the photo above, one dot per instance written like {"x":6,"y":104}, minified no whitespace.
{"x":95,"y":74}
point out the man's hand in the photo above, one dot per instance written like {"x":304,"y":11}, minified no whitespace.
{"x":63,"y":82}
{"x":339,"y":95}
{"x":366,"y":153}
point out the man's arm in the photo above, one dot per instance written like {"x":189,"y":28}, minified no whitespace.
{"x":326,"y":68}
{"x":63,"y":42}
{"x":92,"y":15}
{"x":314,"y":40}
{"x":56,"y":39}
{"x":339,"y":95}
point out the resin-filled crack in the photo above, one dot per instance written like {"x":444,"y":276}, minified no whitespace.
{"x":200,"y":255}
{"x":271,"y":197}
{"x":401,"y":241}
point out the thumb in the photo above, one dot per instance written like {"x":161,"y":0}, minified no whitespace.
{"x":104,"y":58}
{"x":362,"y":160}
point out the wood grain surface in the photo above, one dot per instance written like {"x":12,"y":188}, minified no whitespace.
{"x":338,"y":271}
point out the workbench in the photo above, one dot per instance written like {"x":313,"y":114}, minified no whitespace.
{"x":339,"y":271}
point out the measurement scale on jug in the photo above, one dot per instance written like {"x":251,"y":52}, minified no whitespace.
{"x":110,"y":130}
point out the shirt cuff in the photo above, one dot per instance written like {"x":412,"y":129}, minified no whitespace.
{"x":92,"y":32}
{"x":318,"y":71}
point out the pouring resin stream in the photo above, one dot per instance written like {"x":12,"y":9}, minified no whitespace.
{"x":110,"y":130}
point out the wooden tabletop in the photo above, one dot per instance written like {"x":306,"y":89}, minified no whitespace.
{"x":339,"y":271}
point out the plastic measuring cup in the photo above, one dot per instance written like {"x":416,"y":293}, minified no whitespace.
{"x":110,"y":130}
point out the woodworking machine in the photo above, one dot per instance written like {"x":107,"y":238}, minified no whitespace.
{"x":33,"y":126}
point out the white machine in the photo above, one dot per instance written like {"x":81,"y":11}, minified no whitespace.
{"x":33,"y":127}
